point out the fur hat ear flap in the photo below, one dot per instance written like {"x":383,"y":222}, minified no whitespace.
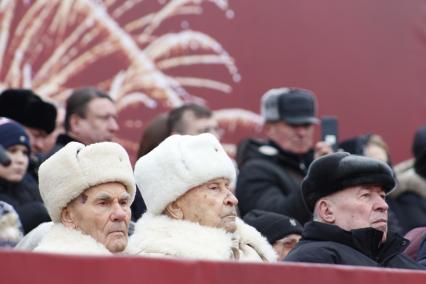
{"x":75,"y":168}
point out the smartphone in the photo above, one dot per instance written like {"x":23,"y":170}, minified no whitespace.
{"x":329,"y":131}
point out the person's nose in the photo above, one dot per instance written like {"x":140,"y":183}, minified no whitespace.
{"x":38,"y":145}
{"x":380,"y":204}
{"x":119,"y":213}
{"x":113,"y":125}
{"x":230,"y":199}
{"x":21,"y":158}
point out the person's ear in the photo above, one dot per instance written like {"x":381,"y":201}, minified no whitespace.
{"x":173,"y":210}
{"x":326,"y":211}
{"x":67,"y":218}
{"x":74,"y":122}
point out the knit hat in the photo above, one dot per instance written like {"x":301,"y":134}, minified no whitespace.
{"x":178,"y":164}
{"x":75,"y":168}
{"x":12,"y":133}
{"x":291,"y":105}
{"x":272,"y":225}
{"x":337,"y":171}
{"x":28,"y":108}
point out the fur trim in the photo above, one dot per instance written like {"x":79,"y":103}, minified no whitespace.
{"x":403,"y":166}
{"x":75,"y":168}
{"x":409,"y":180}
{"x":10,"y":225}
{"x":178,"y":164}
{"x":250,"y":236}
{"x":163,"y":236}
{"x":61,"y":239}
{"x":32,"y":239}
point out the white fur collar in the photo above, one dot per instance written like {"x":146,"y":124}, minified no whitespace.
{"x":250,"y":236}
{"x":163,"y":236}
{"x":60,"y":239}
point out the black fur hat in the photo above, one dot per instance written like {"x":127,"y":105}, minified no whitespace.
{"x":272,"y":225}
{"x":338,"y":171}
{"x":28,"y":108}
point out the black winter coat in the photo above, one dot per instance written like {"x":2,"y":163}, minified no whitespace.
{"x":325,"y":243}
{"x":25,"y":198}
{"x":270,"y":179}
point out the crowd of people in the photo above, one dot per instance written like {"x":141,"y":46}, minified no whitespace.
{"x":66,"y":187}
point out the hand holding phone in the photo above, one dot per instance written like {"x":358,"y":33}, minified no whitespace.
{"x":329,"y":131}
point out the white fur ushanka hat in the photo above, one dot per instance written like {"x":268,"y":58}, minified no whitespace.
{"x":76,"y":167}
{"x":178,"y":164}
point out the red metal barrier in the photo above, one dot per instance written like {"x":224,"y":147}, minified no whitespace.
{"x":19,"y":267}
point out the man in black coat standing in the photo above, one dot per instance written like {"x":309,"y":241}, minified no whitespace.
{"x":272,"y":171}
{"x":346,"y":194}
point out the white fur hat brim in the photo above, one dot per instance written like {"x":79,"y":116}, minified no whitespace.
{"x":178,"y":164}
{"x":76,"y":167}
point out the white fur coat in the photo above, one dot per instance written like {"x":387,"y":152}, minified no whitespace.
{"x":60,"y":239}
{"x":163,"y":236}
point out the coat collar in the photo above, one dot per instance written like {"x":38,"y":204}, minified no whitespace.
{"x":163,"y":236}
{"x":365,"y":240}
{"x":60,"y":239}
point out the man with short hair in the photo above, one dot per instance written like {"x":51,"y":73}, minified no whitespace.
{"x":191,"y":212}
{"x":87,"y":191}
{"x":346,"y":194}
{"x":193,"y":119}
{"x":90,"y":117}
{"x":271,"y":171}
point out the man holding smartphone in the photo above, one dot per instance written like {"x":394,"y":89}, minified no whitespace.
{"x":271,"y":174}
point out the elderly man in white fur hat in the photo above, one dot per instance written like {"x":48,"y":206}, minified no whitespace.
{"x":87,"y":191}
{"x":191,"y":212}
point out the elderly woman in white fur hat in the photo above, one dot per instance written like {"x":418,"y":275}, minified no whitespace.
{"x":191,"y":212}
{"x":88,"y":191}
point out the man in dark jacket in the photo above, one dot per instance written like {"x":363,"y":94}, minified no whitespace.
{"x":90,"y":117}
{"x":346,"y":194}
{"x":271,"y":171}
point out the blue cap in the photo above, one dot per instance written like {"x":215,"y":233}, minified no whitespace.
{"x":12,"y":133}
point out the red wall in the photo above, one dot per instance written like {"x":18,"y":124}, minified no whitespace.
{"x":366,"y":60}
{"x":17,"y":267}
